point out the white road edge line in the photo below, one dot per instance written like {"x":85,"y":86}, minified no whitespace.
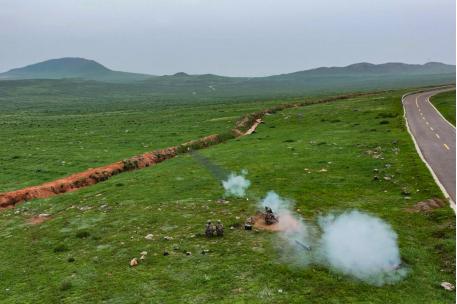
{"x":428,"y":99}
{"x":437,"y":181}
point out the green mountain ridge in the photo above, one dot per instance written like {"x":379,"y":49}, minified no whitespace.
{"x":71,"y":67}
{"x":81,"y":76}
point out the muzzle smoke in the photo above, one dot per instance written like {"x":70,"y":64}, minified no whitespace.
{"x":353,"y":243}
{"x":236,"y":185}
{"x":293,"y":230}
{"x":361,"y":245}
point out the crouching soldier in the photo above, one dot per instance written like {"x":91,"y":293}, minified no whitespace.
{"x":209,"y":230}
{"x":270,"y":218}
{"x":219,"y":229}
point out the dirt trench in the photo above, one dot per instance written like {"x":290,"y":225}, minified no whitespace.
{"x":244,"y":126}
{"x":95,"y":175}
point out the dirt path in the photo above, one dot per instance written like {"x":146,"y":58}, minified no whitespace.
{"x":245,"y":126}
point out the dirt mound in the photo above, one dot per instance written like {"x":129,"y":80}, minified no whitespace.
{"x":86,"y":178}
{"x":95,"y":175}
{"x":258,"y":221}
{"x":428,"y":205}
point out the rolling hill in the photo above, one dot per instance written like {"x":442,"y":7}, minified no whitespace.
{"x":81,"y":77}
{"x":71,"y":68}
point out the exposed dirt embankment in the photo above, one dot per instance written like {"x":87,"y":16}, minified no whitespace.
{"x":245,"y":126}
{"x":99,"y":174}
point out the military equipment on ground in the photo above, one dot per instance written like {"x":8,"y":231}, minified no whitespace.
{"x":302,"y":245}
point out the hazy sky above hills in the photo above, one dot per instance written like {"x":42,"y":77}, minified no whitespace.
{"x":228,"y":37}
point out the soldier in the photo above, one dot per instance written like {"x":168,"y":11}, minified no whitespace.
{"x":209,"y":230}
{"x":270,"y":218}
{"x":219,"y":228}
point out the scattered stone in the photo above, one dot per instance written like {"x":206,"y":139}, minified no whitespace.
{"x":144,"y":253}
{"x":43,"y":215}
{"x":133,"y":262}
{"x":448,"y":286}
{"x":405,"y":191}
{"x":188,"y":253}
{"x":387,"y":178}
{"x":149,"y":236}
{"x":375,"y":170}
{"x":375,"y":177}
{"x":168,"y":238}
{"x":205,"y":251}
{"x":222,"y":201}
{"x":323,"y":170}
{"x":166,"y":253}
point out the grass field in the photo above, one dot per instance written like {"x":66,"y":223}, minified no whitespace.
{"x":39,"y":146}
{"x":82,"y":253}
{"x":445,"y":103}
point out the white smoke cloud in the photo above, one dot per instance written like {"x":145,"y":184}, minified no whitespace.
{"x":353,"y":243}
{"x":362,"y":246}
{"x":236,"y":185}
{"x":293,"y":231}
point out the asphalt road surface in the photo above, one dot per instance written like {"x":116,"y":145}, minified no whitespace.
{"x":434,"y":137}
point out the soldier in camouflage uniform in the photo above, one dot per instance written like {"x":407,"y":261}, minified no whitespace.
{"x":270,"y":218}
{"x":219,"y":229}
{"x":209,"y":229}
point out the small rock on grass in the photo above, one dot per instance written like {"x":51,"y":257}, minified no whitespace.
{"x":133,"y":262}
{"x":448,"y":286}
{"x":149,"y":236}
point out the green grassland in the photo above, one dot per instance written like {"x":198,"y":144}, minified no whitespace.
{"x":445,"y":103}
{"x":48,"y":140}
{"x":82,"y":254}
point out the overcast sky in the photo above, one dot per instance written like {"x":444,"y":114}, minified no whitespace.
{"x":228,"y":37}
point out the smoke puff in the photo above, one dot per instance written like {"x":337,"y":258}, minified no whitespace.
{"x":293,"y":231}
{"x":236,"y":185}
{"x":275,"y":202}
{"x":361,"y":245}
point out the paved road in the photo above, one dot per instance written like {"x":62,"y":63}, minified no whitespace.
{"x":434,"y":136}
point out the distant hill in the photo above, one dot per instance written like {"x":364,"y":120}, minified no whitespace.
{"x":378,"y":69}
{"x":71,"y":68}
{"x":359,"y":76}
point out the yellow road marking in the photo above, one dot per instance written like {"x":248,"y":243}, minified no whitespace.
{"x":427,"y":123}
{"x":437,"y":135}
{"x":431,"y":128}
{"x":417,"y":105}
{"x":446,"y":146}
{"x":423,"y":117}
